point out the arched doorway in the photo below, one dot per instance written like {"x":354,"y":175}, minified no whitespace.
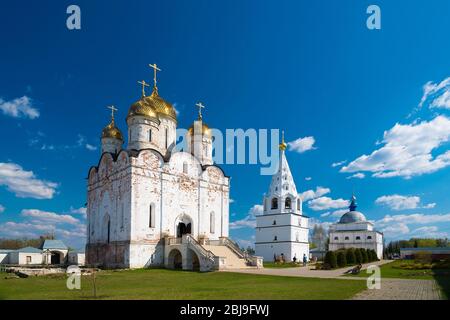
{"x":194,"y":260}
{"x":183,"y":225}
{"x":55,"y":257}
{"x":175,"y":259}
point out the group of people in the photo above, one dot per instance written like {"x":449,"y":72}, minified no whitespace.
{"x":282,"y":259}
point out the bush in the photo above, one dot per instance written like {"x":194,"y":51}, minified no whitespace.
{"x":350,"y":256}
{"x":330,"y":259}
{"x":369,"y":255}
{"x":365,"y":259}
{"x":358,"y":256}
{"x":341,"y":259}
{"x":373,"y":253}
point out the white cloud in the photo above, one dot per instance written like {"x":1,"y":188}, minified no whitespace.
{"x":24,"y":183}
{"x":398,"y":202}
{"x":231,"y":200}
{"x":358,"y":175}
{"x":326,"y":203}
{"x":19,"y":108}
{"x":250,"y":220}
{"x":302,"y":144}
{"x":395,"y":230}
{"x":48,"y":217}
{"x":311,"y":194}
{"x":308,"y":178}
{"x":334,"y":214}
{"x":82,"y":211}
{"x":338,"y":164}
{"x":407,"y":151}
{"x":2,"y":208}
{"x":415,"y":218}
{"x":437,"y":93}
{"x":90,"y":147}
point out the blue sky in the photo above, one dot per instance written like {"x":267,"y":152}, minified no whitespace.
{"x":311,"y":68}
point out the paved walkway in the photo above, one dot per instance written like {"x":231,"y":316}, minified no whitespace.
{"x":402,"y":289}
{"x":391,"y":289}
{"x":308,"y":271}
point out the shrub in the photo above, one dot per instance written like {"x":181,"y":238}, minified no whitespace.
{"x":358,"y":256}
{"x":341,"y":259}
{"x":364,"y":255}
{"x":350,"y":256}
{"x":369,"y":255}
{"x":374,"y":255}
{"x":330,"y":259}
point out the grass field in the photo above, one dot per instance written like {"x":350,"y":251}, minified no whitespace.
{"x":168,"y":284}
{"x":392,"y":270}
{"x":274,"y":265}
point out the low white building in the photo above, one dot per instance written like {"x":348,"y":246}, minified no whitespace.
{"x":354,"y":231}
{"x":54,"y":252}
{"x":4,"y":256}
{"x":25,"y":256}
{"x":282,"y":229}
{"x":76,"y":258}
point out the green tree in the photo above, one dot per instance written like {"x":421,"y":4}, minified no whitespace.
{"x":358,"y":256}
{"x":330,"y":259}
{"x":365,"y":259}
{"x":341,"y":259}
{"x":350,"y":256}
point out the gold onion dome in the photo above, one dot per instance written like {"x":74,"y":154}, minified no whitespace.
{"x":142,"y":108}
{"x":205,"y":130}
{"x":161,"y":106}
{"x":283,"y":144}
{"x":111,"y":131}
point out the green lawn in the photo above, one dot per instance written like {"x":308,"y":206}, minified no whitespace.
{"x":392,"y":270}
{"x":273,"y":265}
{"x":168,"y":284}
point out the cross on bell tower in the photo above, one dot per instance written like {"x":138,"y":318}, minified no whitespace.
{"x":155,"y":69}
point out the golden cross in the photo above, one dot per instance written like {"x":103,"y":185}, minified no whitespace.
{"x":112,"y":111}
{"x":200,"y":107}
{"x":144,"y":84}
{"x":155,"y":68}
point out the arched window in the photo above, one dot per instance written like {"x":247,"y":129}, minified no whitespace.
{"x":297,"y":237}
{"x":287,"y":203}
{"x":212,"y":222}
{"x":150,"y":135}
{"x":358,"y":238}
{"x":167,"y":137}
{"x":336,"y":238}
{"x":298,"y":204}
{"x":109,"y":230}
{"x":369,"y":237}
{"x":275,"y":238}
{"x":274,"y":223}
{"x":274,"y":203}
{"x":151,"y":216}
{"x":122,"y":218}
{"x":185,"y":167}
{"x":346,"y":238}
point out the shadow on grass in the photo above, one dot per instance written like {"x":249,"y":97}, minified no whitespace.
{"x":442,"y":278}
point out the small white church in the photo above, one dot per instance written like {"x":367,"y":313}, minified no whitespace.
{"x":150,"y":205}
{"x":282,"y":230}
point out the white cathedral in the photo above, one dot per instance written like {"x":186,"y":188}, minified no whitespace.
{"x":282,"y":230}
{"x":150,"y":205}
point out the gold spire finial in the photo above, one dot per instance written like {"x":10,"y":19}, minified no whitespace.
{"x":283,"y":144}
{"x":200,"y":107}
{"x":144,"y":84}
{"x":155,"y":69}
{"x":113,"y":109}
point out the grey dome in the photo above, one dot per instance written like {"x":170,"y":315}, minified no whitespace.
{"x":352,"y":216}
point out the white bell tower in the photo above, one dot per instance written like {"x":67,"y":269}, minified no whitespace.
{"x":282,"y":229}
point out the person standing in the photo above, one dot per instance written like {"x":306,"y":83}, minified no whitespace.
{"x":305,"y":260}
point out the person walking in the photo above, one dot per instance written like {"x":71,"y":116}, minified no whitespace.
{"x":305,"y":260}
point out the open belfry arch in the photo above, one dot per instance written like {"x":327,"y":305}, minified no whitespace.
{"x":151,"y":205}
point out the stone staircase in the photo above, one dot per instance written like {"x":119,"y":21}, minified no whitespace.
{"x":232,"y":259}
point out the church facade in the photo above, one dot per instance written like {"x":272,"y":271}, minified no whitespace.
{"x":150,"y":205}
{"x":282,"y":230}
{"x":354,"y":231}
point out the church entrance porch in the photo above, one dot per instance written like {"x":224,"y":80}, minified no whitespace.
{"x":183,"y":228}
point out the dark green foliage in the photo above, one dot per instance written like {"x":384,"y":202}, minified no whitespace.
{"x":330,"y":259}
{"x":341,"y":259}
{"x":365,"y":259}
{"x":350,"y":256}
{"x":358,"y":256}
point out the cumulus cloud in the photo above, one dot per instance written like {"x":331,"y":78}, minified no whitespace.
{"x":250,"y":219}
{"x":2,"y":208}
{"x":415,"y":218}
{"x":48,"y":217}
{"x":81,"y":211}
{"x":311,"y":194}
{"x":308,"y":178}
{"x":398,"y":202}
{"x":437,"y":95}
{"x":302,"y":144}
{"x":90,"y":147}
{"x":338,"y":164}
{"x":24,"y":183}
{"x":19,"y":108}
{"x":334,"y":214}
{"x":326,"y":203}
{"x":407,"y":151}
{"x":358,"y":175}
